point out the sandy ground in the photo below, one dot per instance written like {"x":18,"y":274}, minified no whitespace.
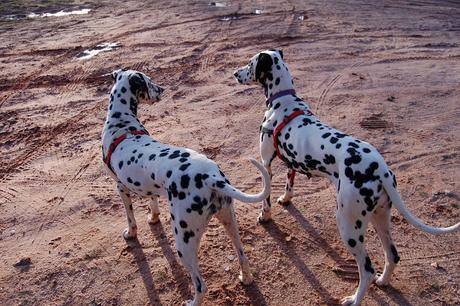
{"x":387,"y":72}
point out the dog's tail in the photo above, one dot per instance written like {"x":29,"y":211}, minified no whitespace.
{"x":390,"y":188}
{"x":228,"y":190}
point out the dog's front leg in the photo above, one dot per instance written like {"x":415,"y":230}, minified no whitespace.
{"x":285,"y":199}
{"x":131,"y":231}
{"x":154,"y":215}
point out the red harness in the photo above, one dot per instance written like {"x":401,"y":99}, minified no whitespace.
{"x":276,"y":132}
{"x":280,"y":126}
{"x":115,"y":143}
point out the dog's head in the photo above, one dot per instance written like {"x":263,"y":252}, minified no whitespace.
{"x":261,"y":68}
{"x":140,"y":85}
{"x":269,"y":69}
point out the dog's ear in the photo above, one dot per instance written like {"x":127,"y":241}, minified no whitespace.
{"x":137,"y":85}
{"x":280,"y":51}
{"x":264,"y":64}
{"x":116,"y":73}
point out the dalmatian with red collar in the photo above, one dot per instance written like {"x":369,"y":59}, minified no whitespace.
{"x":366,"y":187}
{"x":194,"y":185}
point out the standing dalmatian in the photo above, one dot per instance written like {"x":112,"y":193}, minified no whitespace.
{"x":366,"y":187}
{"x":193,"y":184}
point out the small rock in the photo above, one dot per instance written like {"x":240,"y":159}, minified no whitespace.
{"x":288,"y":238}
{"x":435,"y":265}
{"x":391,"y":98}
{"x":227,"y":268}
{"x":24,"y":262}
{"x":231,"y":257}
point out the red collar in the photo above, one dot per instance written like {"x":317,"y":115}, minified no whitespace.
{"x":116,"y":142}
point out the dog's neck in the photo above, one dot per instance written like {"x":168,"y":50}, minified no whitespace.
{"x":121,"y":114}
{"x":285,"y":83}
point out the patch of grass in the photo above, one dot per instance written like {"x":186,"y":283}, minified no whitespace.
{"x":424,"y":194}
{"x":92,"y":254}
{"x":162,"y":276}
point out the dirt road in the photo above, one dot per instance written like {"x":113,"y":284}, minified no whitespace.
{"x":385,"y":71}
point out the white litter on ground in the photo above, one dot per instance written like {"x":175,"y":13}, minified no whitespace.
{"x":229,"y":18}
{"x":218,"y":4}
{"x":59,"y":14}
{"x":105,"y":47}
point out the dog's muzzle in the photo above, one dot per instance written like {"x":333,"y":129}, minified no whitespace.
{"x":236,"y":74}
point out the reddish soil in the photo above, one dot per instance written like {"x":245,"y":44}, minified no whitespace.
{"x":387,"y":72}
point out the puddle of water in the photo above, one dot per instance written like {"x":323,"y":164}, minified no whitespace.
{"x":59,"y":14}
{"x":105,"y":47}
{"x":258,"y":12}
{"x":12,"y":17}
{"x":218,"y":4}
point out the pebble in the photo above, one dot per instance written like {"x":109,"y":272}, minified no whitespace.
{"x":24,"y":262}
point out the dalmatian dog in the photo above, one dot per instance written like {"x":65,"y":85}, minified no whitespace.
{"x":366,"y":187}
{"x":194,"y":185}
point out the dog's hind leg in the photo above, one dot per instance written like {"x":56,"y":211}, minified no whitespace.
{"x":227,"y":217}
{"x":187,"y":234}
{"x":352,"y":227}
{"x":285,"y":199}
{"x":381,"y":220}
{"x":131,"y":231}
{"x":154,"y":215}
{"x":190,"y":261}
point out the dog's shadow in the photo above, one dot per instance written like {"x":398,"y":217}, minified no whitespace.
{"x":181,"y":277}
{"x":253,"y":293}
{"x":279,"y":236}
{"x":394,"y":294}
{"x":135,"y":248}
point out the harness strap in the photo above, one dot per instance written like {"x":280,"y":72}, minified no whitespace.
{"x":280,"y":126}
{"x":115,"y":143}
{"x":292,"y":177}
{"x":266,"y":130}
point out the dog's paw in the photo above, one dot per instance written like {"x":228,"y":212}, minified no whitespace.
{"x":349,"y":301}
{"x":129,"y":236}
{"x":263,"y":218}
{"x":153,"y":218}
{"x":246,"y":279}
{"x":283,"y":202}
{"x":380,"y":281}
